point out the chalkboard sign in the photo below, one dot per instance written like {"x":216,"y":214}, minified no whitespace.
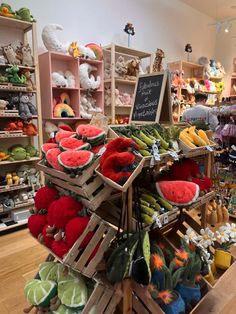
{"x":150,"y":92}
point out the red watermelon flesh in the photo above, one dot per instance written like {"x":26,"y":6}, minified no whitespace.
{"x":178,"y":193}
{"x":74,"y":230}
{"x":60,"y":248}
{"x":90,"y":132}
{"x":36,"y":224}
{"x":45,"y":147}
{"x":63,"y":134}
{"x":52,"y":158}
{"x":44,"y":197}
{"x":75,"y":159}
{"x":72,"y":143}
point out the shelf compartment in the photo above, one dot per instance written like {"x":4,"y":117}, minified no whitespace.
{"x":15,"y":23}
{"x":74,"y":100}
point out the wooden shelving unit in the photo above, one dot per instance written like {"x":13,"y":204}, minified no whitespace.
{"x":15,"y":31}
{"x":53,"y":61}
{"x":111,"y":53}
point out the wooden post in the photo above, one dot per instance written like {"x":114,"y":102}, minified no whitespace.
{"x":127,"y":286}
{"x":113,"y":87}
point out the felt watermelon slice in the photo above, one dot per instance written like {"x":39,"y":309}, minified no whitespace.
{"x":45,"y":147}
{"x":63,"y":134}
{"x":72,"y":143}
{"x":178,"y":193}
{"x":52,"y":159}
{"x":91,"y":134}
{"x":75,"y":161}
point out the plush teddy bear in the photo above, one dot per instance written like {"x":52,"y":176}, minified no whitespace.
{"x":29,"y":82}
{"x":132,"y":68}
{"x":26,"y":108}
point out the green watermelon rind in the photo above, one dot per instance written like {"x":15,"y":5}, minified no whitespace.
{"x":85,"y":146}
{"x":179,"y":204}
{"x":91,"y":138}
{"x":90,"y":160}
{"x":98,"y":140}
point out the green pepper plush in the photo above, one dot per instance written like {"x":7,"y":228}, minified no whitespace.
{"x":24,"y":15}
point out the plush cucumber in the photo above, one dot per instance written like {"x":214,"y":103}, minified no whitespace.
{"x":146,"y":219}
{"x":163,"y":143}
{"x":143,"y":202}
{"x":164,"y":203}
{"x":150,"y":199}
{"x":139,"y":142}
{"x":145,"y":153}
{"x":147,"y":210}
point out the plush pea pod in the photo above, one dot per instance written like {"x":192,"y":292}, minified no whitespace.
{"x":163,"y":143}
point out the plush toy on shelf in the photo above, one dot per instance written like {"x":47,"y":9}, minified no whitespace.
{"x":120,"y":66}
{"x":87,"y":80}
{"x":98,"y":51}
{"x":10,"y":55}
{"x":24,"y":54}
{"x":107,"y":69}
{"x":70,"y":79}
{"x":50,"y":40}
{"x":6,"y":10}
{"x":132,"y":69}
{"x":24,"y":14}
{"x":157,"y":65}
{"x":88,"y":106}
{"x":59,"y":80}
{"x":26,"y":108}
{"x":62,"y":107}
{"x":73,"y":50}
{"x":87,"y":52}
{"x":29,"y":82}
{"x":177,"y":79}
{"x":3,"y":104}
{"x":14,"y":77}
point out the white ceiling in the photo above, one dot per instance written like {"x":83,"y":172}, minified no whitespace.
{"x":218,"y":9}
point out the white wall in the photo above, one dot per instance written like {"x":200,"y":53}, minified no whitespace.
{"x":166,"y":24}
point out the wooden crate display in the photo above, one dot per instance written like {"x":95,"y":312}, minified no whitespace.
{"x":186,"y":149}
{"x":93,"y":191}
{"x":103,"y":235}
{"x":103,"y":300}
{"x":173,"y":233}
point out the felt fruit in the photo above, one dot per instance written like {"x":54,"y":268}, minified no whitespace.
{"x":118,"y":167}
{"x":63,"y":134}
{"x":39,"y":292}
{"x":44,"y":197}
{"x":186,"y":140}
{"x":96,"y":49}
{"x":178,"y":193}
{"x":203,"y":135}
{"x":75,"y":161}
{"x":71,"y":143}
{"x":60,"y":248}
{"x":63,"y":111}
{"x":36,"y":224}
{"x":52,"y":158}
{"x":45,"y":147}
{"x":91,"y":134}
{"x":50,"y":214}
{"x":74,"y":230}
{"x":64,"y":209}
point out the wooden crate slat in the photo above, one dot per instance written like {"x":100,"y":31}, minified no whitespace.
{"x":99,"y":198}
{"x":104,"y":300}
{"x":138,"y":307}
{"x":115,"y":300}
{"x":94,"y":298}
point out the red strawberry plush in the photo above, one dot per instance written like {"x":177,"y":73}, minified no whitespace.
{"x":46,"y":238}
{"x":44,"y":197}
{"x":75,"y":228}
{"x":52,"y":158}
{"x":36,"y":224}
{"x":60,"y":248}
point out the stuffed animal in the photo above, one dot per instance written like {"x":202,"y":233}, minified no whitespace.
{"x":17,"y":153}
{"x":85,"y":106}
{"x":207,"y":68}
{"x":107,"y":96}
{"x":73,"y":50}
{"x":14,"y":77}
{"x":59,"y":80}
{"x":14,"y":101}
{"x":3,"y":104}
{"x":10,"y":55}
{"x":120,"y":66}
{"x":107,"y":69}
{"x":118,"y":101}
{"x":24,"y":53}
{"x":26,"y":108}
{"x":33,"y":177}
{"x":70,"y":79}
{"x":6,"y":10}
{"x":157,"y":65}
{"x":30,"y":129}
{"x":98,"y":51}
{"x":87,"y":80}
{"x":213,"y":67}
{"x":132,"y":68}
{"x":14,"y":125}
{"x":221,"y":69}
{"x":29,"y":82}
{"x":87,"y":52}
{"x":50,"y":40}
{"x":15,"y":178}
{"x":25,"y":15}
{"x":9,"y":178}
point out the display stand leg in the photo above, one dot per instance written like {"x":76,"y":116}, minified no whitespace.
{"x":127,"y":290}
{"x":203,"y":216}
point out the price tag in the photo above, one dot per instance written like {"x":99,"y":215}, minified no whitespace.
{"x":165,"y":219}
{"x":155,"y":218}
{"x":209,"y":149}
{"x":101,"y":151}
{"x":155,"y":152}
{"x":174,"y":155}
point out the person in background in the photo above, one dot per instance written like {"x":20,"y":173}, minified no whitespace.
{"x":200,"y":112}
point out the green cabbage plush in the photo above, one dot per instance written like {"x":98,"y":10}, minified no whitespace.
{"x":50,"y":271}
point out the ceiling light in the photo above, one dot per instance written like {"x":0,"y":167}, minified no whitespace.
{"x":228,"y":26}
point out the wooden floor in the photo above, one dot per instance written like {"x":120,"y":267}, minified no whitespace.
{"x":20,"y":256}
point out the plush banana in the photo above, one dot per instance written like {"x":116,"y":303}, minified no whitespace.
{"x":203,"y":135}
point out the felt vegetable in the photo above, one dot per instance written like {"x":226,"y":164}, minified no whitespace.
{"x":18,"y":153}
{"x":50,"y":271}
{"x":63,"y":134}
{"x":36,"y":224}
{"x":52,"y":158}
{"x":74,"y":230}
{"x":64,"y":310}
{"x":31,"y":150}
{"x":91,"y":134}
{"x":75,"y":161}
{"x":178,"y":193}
{"x":39,"y":293}
{"x":119,"y":167}
{"x":71,"y":143}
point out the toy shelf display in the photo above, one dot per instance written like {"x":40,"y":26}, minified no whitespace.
{"x":20,"y":121}
{"x":119,"y":84}
{"x":64,"y":95}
